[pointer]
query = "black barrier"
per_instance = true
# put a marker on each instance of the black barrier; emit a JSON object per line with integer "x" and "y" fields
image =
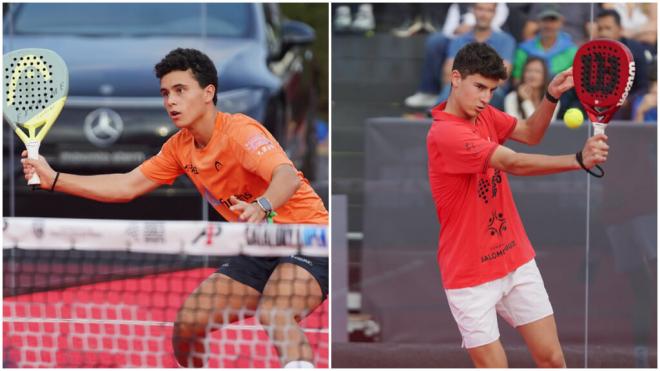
{"x": 401, "y": 284}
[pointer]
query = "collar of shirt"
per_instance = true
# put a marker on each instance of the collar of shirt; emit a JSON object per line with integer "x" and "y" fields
{"x": 439, "y": 114}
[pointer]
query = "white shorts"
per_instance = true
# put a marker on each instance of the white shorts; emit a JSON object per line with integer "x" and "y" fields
{"x": 519, "y": 297}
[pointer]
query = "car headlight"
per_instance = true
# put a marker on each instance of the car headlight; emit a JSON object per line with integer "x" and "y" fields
{"x": 239, "y": 100}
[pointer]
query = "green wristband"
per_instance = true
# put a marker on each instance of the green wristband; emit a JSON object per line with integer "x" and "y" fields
{"x": 270, "y": 216}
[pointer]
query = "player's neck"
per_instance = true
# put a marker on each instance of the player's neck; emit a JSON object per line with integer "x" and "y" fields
{"x": 454, "y": 109}
{"x": 202, "y": 129}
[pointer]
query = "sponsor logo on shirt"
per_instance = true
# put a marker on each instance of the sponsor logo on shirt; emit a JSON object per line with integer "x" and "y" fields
{"x": 499, "y": 252}
{"x": 217, "y": 165}
{"x": 191, "y": 168}
{"x": 487, "y": 188}
{"x": 215, "y": 202}
{"x": 245, "y": 197}
{"x": 496, "y": 224}
{"x": 259, "y": 143}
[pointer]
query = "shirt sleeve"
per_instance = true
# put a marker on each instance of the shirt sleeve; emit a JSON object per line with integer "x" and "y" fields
{"x": 504, "y": 124}
{"x": 460, "y": 150}
{"x": 257, "y": 150}
{"x": 163, "y": 168}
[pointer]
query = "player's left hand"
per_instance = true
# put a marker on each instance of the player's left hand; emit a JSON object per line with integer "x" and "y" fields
{"x": 248, "y": 212}
{"x": 561, "y": 83}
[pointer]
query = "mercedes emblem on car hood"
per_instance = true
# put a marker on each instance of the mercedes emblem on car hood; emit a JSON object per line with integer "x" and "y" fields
{"x": 103, "y": 127}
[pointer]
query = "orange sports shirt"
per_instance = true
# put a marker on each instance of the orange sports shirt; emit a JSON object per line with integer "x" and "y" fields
{"x": 238, "y": 160}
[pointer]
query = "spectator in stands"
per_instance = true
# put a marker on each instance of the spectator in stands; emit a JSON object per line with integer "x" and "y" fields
{"x": 525, "y": 99}
{"x": 551, "y": 44}
{"x": 452, "y": 19}
{"x": 575, "y": 19}
{"x": 435, "y": 52}
{"x": 419, "y": 17}
{"x": 363, "y": 21}
{"x": 483, "y": 31}
{"x": 554, "y": 46}
{"x": 608, "y": 23}
{"x": 645, "y": 106}
{"x": 517, "y": 20}
{"x": 639, "y": 22}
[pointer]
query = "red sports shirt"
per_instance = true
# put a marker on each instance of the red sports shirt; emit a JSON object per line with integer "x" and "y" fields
{"x": 238, "y": 160}
{"x": 481, "y": 235}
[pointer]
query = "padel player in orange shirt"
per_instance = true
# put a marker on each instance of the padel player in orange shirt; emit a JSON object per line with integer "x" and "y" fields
{"x": 485, "y": 257}
{"x": 239, "y": 167}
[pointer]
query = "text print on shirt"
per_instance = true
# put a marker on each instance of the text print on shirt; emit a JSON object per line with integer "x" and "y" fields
{"x": 259, "y": 143}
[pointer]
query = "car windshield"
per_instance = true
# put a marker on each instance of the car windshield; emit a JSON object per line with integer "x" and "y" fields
{"x": 125, "y": 19}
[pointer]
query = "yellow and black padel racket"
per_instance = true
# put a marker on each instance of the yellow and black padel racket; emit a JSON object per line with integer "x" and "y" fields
{"x": 35, "y": 86}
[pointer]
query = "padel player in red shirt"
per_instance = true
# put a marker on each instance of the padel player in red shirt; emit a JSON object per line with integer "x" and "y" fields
{"x": 485, "y": 257}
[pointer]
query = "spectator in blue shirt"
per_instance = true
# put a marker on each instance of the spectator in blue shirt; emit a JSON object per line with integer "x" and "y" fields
{"x": 483, "y": 32}
{"x": 445, "y": 49}
{"x": 645, "y": 104}
{"x": 554, "y": 46}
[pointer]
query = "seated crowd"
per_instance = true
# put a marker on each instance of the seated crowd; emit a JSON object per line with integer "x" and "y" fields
{"x": 536, "y": 41}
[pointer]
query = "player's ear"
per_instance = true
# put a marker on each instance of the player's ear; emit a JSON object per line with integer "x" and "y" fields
{"x": 209, "y": 93}
{"x": 455, "y": 78}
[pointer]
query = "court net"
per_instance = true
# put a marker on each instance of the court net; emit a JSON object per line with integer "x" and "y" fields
{"x": 106, "y": 293}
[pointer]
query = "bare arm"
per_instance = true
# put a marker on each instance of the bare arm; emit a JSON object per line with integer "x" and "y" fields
{"x": 516, "y": 163}
{"x": 594, "y": 152}
{"x": 105, "y": 188}
{"x": 532, "y": 130}
{"x": 283, "y": 184}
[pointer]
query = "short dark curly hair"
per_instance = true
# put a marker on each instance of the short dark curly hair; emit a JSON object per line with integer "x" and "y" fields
{"x": 479, "y": 58}
{"x": 199, "y": 63}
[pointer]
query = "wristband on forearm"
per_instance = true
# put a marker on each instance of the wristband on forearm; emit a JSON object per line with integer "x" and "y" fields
{"x": 550, "y": 98}
{"x": 57, "y": 176}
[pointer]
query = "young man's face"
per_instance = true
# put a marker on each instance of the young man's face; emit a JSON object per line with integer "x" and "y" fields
{"x": 183, "y": 98}
{"x": 473, "y": 93}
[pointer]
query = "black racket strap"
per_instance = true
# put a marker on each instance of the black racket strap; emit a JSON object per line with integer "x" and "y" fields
{"x": 578, "y": 157}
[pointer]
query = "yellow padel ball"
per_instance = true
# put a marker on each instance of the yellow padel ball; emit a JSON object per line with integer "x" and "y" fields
{"x": 573, "y": 118}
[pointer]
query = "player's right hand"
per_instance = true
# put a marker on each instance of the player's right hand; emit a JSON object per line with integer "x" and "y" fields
{"x": 595, "y": 151}
{"x": 41, "y": 167}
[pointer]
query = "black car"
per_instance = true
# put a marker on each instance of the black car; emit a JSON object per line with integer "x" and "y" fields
{"x": 114, "y": 117}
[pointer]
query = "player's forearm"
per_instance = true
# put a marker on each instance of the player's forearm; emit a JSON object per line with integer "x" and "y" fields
{"x": 539, "y": 121}
{"x": 525, "y": 164}
{"x": 104, "y": 188}
{"x": 284, "y": 183}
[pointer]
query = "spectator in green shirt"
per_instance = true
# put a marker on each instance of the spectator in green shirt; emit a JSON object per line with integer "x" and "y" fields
{"x": 552, "y": 45}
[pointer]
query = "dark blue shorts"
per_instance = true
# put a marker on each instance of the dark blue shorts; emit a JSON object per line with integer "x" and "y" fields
{"x": 255, "y": 271}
